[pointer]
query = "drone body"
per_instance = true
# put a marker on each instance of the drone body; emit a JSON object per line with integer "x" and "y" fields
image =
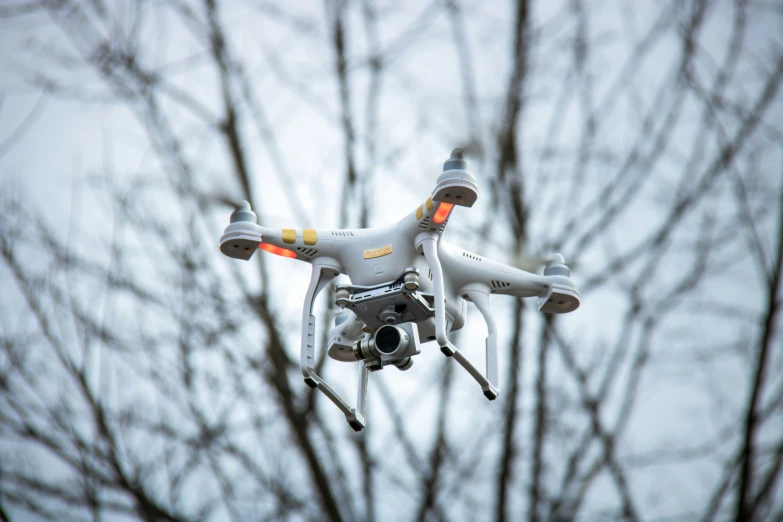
{"x": 408, "y": 286}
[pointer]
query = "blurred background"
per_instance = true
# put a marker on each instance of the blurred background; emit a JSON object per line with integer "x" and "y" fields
{"x": 144, "y": 376}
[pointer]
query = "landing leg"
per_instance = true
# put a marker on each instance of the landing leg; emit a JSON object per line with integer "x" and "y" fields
{"x": 430, "y": 249}
{"x": 321, "y": 276}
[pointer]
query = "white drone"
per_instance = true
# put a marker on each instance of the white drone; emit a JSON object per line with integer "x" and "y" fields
{"x": 392, "y": 307}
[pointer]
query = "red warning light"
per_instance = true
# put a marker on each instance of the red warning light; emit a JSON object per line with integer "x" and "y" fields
{"x": 444, "y": 209}
{"x": 273, "y": 249}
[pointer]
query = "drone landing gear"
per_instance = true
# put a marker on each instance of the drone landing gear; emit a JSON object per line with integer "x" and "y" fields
{"x": 481, "y": 300}
{"x": 490, "y": 391}
{"x": 322, "y": 275}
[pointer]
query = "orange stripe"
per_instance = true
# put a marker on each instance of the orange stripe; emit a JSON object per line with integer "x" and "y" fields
{"x": 444, "y": 209}
{"x": 273, "y": 249}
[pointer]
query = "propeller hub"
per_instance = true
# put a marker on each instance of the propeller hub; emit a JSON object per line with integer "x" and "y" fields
{"x": 456, "y": 161}
{"x": 243, "y": 212}
{"x": 557, "y": 266}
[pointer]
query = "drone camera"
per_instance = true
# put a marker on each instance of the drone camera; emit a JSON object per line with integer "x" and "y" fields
{"x": 390, "y": 344}
{"x": 389, "y": 339}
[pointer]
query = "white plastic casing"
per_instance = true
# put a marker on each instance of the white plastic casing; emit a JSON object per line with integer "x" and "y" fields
{"x": 240, "y": 240}
{"x": 457, "y": 187}
{"x": 343, "y": 336}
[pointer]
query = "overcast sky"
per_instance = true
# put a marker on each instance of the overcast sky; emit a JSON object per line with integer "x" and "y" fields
{"x": 50, "y": 145}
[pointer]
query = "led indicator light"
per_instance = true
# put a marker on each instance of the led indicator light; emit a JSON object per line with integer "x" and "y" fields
{"x": 444, "y": 209}
{"x": 272, "y": 249}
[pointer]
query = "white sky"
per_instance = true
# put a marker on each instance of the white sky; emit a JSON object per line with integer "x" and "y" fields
{"x": 421, "y": 120}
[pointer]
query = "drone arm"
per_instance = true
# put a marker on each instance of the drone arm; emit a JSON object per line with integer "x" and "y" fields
{"x": 324, "y": 270}
{"x": 557, "y": 293}
{"x": 555, "y": 289}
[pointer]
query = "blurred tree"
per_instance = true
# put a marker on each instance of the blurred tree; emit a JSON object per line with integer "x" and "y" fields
{"x": 144, "y": 377}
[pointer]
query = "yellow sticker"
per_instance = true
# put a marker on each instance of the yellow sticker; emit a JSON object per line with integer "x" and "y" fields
{"x": 419, "y": 212}
{"x": 429, "y": 203}
{"x": 378, "y": 252}
{"x": 309, "y": 236}
{"x": 289, "y": 236}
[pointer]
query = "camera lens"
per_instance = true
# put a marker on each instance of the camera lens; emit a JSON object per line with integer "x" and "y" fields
{"x": 387, "y": 339}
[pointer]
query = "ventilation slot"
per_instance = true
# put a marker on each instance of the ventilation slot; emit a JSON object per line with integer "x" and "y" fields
{"x": 307, "y": 252}
{"x": 343, "y": 233}
{"x": 429, "y": 274}
{"x": 471, "y": 256}
{"x": 500, "y": 284}
{"x": 425, "y": 223}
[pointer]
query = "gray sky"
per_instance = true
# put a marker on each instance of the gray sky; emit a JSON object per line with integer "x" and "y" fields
{"x": 422, "y": 117}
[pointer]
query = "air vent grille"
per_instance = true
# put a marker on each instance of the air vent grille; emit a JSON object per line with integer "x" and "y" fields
{"x": 307, "y": 252}
{"x": 471, "y": 256}
{"x": 343, "y": 233}
{"x": 500, "y": 284}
